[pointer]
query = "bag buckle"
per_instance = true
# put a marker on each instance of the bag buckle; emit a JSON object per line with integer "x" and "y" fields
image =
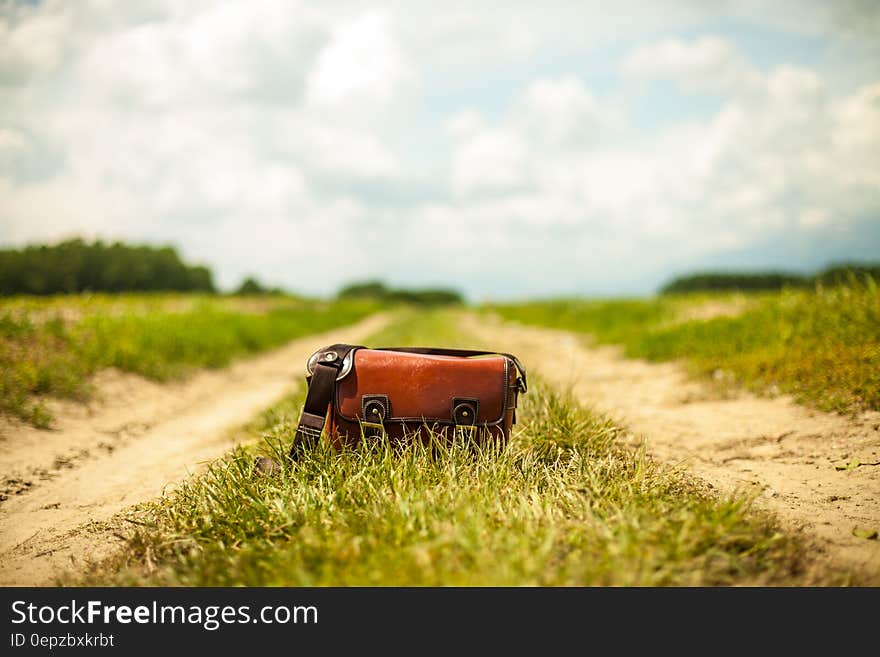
{"x": 375, "y": 409}
{"x": 331, "y": 358}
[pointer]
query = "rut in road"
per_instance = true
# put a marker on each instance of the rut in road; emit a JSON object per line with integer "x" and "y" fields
{"x": 792, "y": 457}
{"x": 62, "y": 486}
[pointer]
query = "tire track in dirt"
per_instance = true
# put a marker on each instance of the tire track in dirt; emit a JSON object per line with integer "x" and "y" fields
{"x": 792, "y": 457}
{"x": 62, "y": 486}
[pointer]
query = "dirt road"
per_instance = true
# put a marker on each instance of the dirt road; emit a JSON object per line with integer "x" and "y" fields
{"x": 794, "y": 458}
{"x": 60, "y": 486}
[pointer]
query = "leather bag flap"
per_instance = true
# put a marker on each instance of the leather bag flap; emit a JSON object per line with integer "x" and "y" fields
{"x": 425, "y": 388}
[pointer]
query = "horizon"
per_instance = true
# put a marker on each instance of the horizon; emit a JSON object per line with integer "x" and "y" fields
{"x": 505, "y": 152}
{"x": 807, "y": 277}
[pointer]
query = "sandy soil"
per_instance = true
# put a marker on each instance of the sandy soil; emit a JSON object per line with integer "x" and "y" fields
{"x": 713, "y": 308}
{"x": 793, "y": 458}
{"x": 60, "y": 488}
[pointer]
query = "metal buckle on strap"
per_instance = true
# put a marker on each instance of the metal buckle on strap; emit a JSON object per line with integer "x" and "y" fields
{"x": 330, "y": 358}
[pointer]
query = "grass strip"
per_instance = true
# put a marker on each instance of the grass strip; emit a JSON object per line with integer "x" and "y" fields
{"x": 822, "y": 346}
{"x": 55, "y": 356}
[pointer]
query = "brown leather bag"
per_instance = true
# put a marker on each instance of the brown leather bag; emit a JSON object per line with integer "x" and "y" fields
{"x": 396, "y": 393}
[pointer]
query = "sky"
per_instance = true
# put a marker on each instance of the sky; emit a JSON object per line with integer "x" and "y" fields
{"x": 508, "y": 149}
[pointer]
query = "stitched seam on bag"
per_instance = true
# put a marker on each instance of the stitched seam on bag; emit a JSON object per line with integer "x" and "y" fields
{"x": 424, "y": 423}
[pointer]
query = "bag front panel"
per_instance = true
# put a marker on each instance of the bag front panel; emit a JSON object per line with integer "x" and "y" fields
{"x": 422, "y": 388}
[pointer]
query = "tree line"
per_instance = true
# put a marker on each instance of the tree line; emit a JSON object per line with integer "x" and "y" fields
{"x": 770, "y": 280}
{"x": 77, "y": 266}
{"x": 381, "y": 292}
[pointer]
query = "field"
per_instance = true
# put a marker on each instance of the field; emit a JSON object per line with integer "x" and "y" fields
{"x": 822, "y": 346}
{"x": 578, "y": 497}
{"x": 566, "y": 504}
{"x": 50, "y": 347}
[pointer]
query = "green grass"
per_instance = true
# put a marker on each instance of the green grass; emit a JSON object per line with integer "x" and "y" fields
{"x": 51, "y": 348}
{"x": 821, "y": 346}
{"x": 563, "y": 504}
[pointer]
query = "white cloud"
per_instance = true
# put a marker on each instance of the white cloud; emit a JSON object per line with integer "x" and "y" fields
{"x": 465, "y": 124}
{"x": 30, "y": 48}
{"x": 11, "y": 141}
{"x": 337, "y": 150}
{"x": 233, "y": 48}
{"x": 361, "y": 70}
{"x": 563, "y": 113}
{"x": 557, "y": 114}
{"x": 493, "y": 160}
{"x": 813, "y": 218}
{"x": 707, "y": 63}
{"x": 779, "y": 156}
{"x": 856, "y": 133}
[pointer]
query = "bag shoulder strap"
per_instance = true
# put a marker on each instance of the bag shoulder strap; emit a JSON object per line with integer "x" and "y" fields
{"x": 322, "y": 384}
